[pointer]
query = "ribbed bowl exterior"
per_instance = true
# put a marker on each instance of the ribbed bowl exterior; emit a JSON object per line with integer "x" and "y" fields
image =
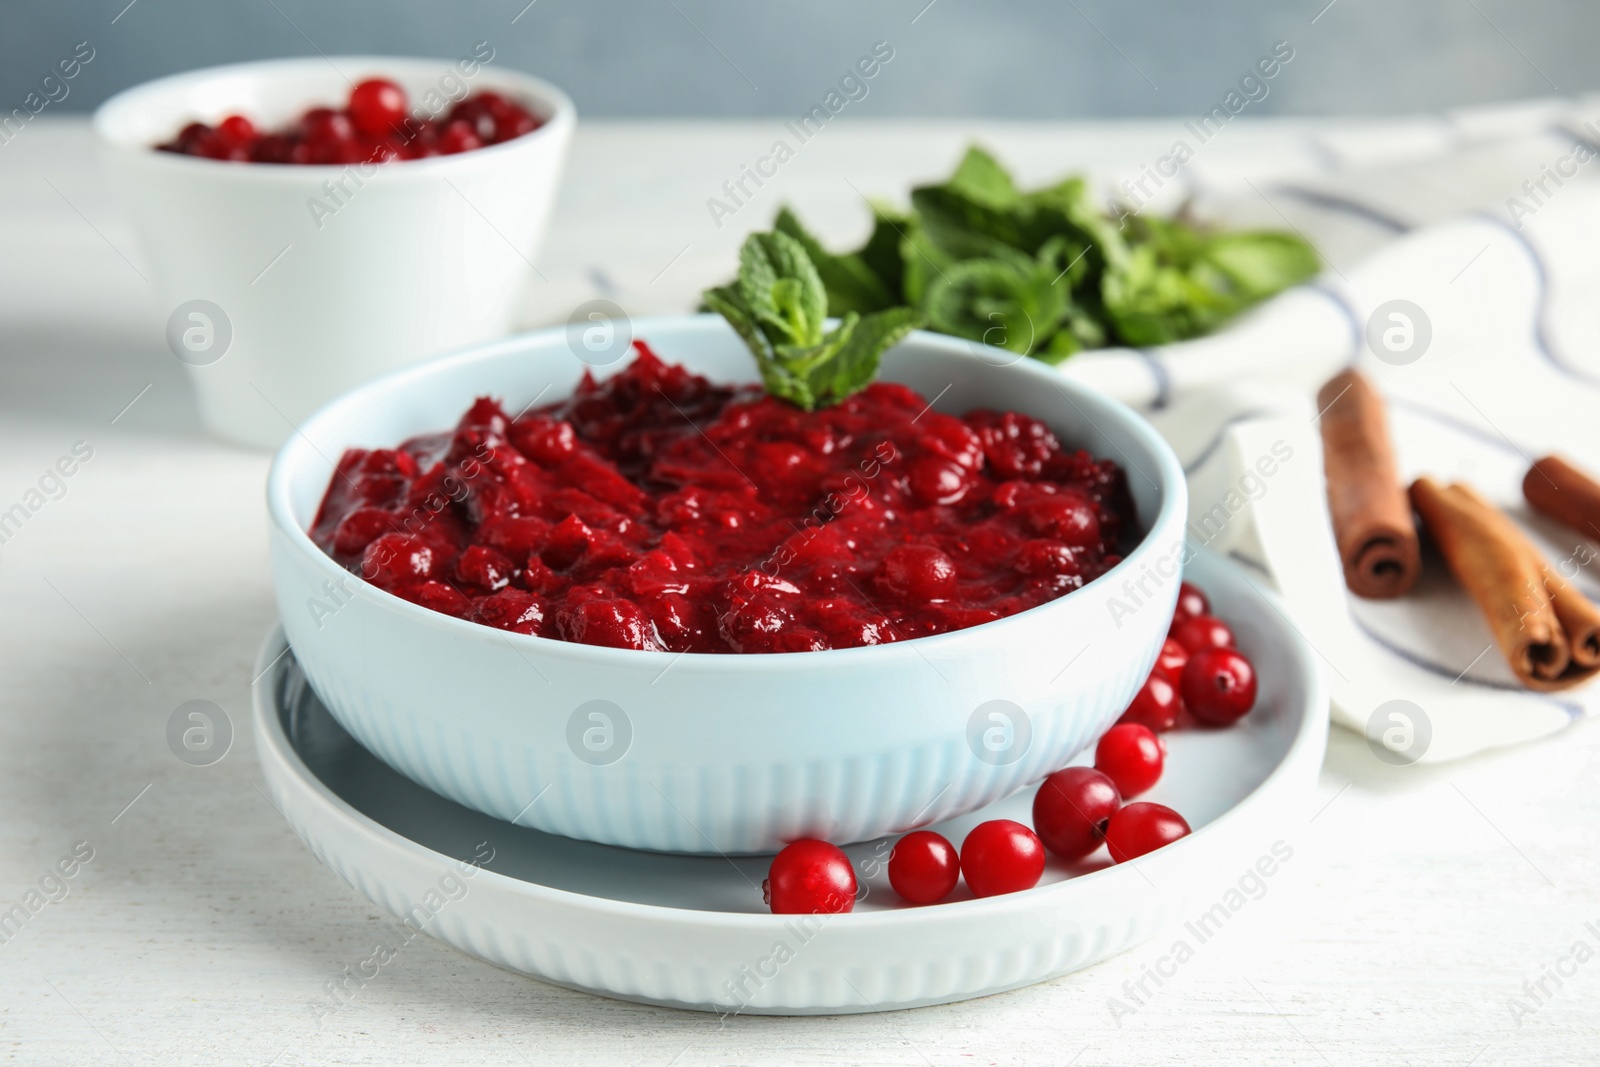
{"x": 706, "y": 753}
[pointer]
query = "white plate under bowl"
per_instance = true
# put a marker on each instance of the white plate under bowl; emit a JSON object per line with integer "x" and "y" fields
{"x": 691, "y": 931}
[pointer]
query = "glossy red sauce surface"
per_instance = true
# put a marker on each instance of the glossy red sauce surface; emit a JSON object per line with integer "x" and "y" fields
{"x": 656, "y": 510}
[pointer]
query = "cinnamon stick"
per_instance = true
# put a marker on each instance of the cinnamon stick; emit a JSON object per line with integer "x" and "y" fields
{"x": 1578, "y": 616}
{"x": 1565, "y": 493}
{"x": 1372, "y": 521}
{"x": 1535, "y": 616}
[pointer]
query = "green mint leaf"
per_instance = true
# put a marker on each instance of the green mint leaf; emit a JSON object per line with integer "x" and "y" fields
{"x": 808, "y": 299}
{"x": 981, "y": 178}
{"x": 1260, "y": 264}
{"x": 788, "y": 300}
{"x": 851, "y": 285}
{"x": 1180, "y": 282}
{"x": 1067, "y": 260}
{"x": 781, "y": 287}
{"x": 1153, "y": 303}
{"x": 861, "y": 350}
{"x": 922, "y": 261}
{"x": 1086, "y": 325}
{"x": 729, "y": 303}
{"x": 1062, "y": 345}
{"x": 1065, "y": 209}
{"x": 965, "y": 227}
{"x": 1001, "y": 302}
{"x": 779, "y": 309}
{"x": 881, "y": 253}
{"x": 757, "y": 276}
{"x": 977, "y": 210}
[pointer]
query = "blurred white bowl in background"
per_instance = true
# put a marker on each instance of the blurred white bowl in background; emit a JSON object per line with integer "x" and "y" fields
{"x": 286, "y": 285}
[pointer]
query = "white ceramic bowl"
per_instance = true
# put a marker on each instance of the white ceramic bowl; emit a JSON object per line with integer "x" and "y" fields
{"x": 322, "y": 277}
{"x": 726, "y": 753}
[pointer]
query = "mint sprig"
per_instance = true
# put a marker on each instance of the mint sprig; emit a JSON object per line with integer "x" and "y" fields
{"x": 779, "y": 306}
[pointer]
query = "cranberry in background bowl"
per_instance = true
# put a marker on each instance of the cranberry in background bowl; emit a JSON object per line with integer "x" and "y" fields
{"x": 698, "y": 752}
{"x": 310, "y": 279}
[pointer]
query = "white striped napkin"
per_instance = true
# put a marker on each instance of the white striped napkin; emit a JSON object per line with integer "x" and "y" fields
{"x": 1510, "y": 372}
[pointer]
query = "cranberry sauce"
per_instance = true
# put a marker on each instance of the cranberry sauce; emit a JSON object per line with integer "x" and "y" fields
{"x": 655, "y": 510}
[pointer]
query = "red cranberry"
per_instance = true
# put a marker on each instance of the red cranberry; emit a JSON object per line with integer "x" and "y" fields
{"x": 1155, "y": 705}
{"x": 1219, "y": 686}
{"x": 1143, "y": 827}
{"x": 1016, "y": 445}
{"x": 482, "y": 566}
{"x": 567, "y": 543}
{"x": 497, "y": 105}
{"x": 917, "y": 572}
{"x": 810, "y": 877}
{"x": 273, "y": 148}
{"x": 1172, "y": 658}
{"x": 923, "y": 868}
{"x": 1202, "y": 632}
{"x": 377, "y": 106}
{"x": 545, "y": 441}
{"x": 476, "y": 113}
{"x": 511, "y": 609}
{"x": 1130, "y": 755}
{"x": 398, "y": 559}
{"x": 236, "y": 130}
{"x": 380, "y": 152}
{"x": 610, "y": 621}
{"x": 517, "y": 124}
{"x": 325, "y": 126}
{"x": 1191, "y": 602}
{"x": 189, "y": 135}
{"x": 538, "y": 576}
{"x": 952, "y": 439}
{"x": 1046, "y": 557}
{"x": 389, "y": 461}
{"x": 443, "y": 598}
{"x": 212, "y": 145}
{"x": 936, "y": 480}
{"x": 1067, "y": 517}
{"x": 351, "y": 151}
{"x": 381, "y": 490}
{"x": 1071, "y": 811}
{"x": 459, "y": 136}
{"x": 1001, "y": 856}
{"x": 360, "y": 528}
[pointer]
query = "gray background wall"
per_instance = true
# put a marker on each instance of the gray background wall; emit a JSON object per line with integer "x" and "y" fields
{"x": 1019, "y": 59}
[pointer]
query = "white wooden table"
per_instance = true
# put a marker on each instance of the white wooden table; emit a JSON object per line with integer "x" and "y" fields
{"x": 1416, "y": 905}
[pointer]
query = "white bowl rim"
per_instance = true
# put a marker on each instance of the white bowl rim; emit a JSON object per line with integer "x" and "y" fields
{"x": 562, "y": 114}
{"x": 1308, "y": 743}
{"x": 298, "y": 450}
